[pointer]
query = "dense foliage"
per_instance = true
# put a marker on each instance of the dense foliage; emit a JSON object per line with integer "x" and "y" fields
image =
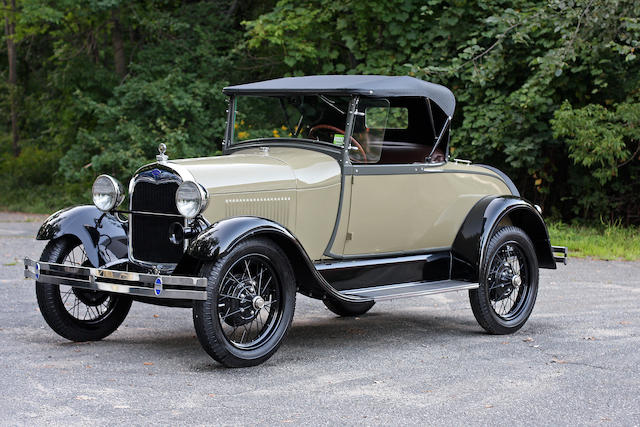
{"x": 547, "y": 91}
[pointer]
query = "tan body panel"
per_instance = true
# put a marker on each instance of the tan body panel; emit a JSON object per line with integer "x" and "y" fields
{"x": 300, "y": 189}
{"x": 297, "y": 188}
{"x": 417, "y": 211}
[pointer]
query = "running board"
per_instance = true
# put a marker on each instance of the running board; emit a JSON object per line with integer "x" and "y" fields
{"x": 412, "y": 289}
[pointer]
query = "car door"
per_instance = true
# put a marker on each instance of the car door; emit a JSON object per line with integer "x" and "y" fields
{"x": 412, "y": 208}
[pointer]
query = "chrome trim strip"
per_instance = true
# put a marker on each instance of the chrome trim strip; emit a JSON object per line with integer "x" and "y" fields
{"x": 149, "y": 213}
{"x": 408, "y": 170}
{"x": 336, "y": 265}
{"x": 142, "y": 284}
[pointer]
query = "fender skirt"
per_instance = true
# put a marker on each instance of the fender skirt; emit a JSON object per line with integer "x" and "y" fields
{"x": 103, "y": 236}
{"x": 221, "y": 237}
{"x": 470, "y": 244}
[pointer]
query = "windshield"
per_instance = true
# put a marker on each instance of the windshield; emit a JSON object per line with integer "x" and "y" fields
{"x": 317, "y": 118}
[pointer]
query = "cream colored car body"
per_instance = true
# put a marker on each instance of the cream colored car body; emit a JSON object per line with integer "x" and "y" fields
{"x": 300, "y": 189}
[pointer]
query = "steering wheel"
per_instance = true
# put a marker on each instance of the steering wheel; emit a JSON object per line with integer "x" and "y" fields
{"x": 337, "y": 130}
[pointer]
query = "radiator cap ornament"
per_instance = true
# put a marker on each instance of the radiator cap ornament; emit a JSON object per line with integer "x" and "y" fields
{"x": 162, "y": 148}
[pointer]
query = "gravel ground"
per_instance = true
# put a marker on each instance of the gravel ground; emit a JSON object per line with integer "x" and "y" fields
{"x": 407, "y": 362}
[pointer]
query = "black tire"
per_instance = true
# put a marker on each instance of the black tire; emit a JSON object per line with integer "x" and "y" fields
{"x": 232, "y": 309}
{"x": 348, "y": 309}
{"x": 503, "y": 303}
{"x": 106, "y": 311}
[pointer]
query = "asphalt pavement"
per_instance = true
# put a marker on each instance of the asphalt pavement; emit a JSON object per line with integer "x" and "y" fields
{"x": 407, "y": 362}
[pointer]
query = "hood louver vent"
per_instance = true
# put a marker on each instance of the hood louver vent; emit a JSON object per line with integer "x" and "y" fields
{"x": 273, "y": 208}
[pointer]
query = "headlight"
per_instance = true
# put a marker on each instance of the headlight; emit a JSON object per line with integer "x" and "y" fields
{"x": 191, "y": 199}
{"x": 107, "y": 193}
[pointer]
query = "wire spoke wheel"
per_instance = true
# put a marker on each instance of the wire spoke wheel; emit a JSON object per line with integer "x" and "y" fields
{"x": 508, "y": 284}
{"x": 82, "y": 304}
{"x": 508, "y": 281}
{"x": 249, "y": 301}
{"x": 74, "y": 313}
{"x": 251, "y": 298}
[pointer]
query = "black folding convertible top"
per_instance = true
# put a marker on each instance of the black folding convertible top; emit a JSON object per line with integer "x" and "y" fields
{"x": 367, "y": 85}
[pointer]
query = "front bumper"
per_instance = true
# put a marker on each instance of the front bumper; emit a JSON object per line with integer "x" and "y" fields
{"x": 121, "y": 282}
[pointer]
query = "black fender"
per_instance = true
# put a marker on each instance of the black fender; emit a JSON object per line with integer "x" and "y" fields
{"x": 471, "y": 242}
{"x": 103, "y": 236}
{"x": 221, "y": 237}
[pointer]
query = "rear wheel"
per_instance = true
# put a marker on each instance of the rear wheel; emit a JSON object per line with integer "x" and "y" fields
{"x": 249, "y": 306}
{"x": 73, "y": 313}
{"x": 348, "y": 309}
{"x": 508, "y": 283}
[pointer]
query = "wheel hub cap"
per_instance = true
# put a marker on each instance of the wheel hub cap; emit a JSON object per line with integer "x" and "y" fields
{"x": 258, "y": 302}
{"x": 516, "y": 281}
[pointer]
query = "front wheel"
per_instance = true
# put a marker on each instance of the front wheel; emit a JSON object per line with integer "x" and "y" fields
{"x": 73, "y": 313}
{"x": 250, "y": 303}
{"x": 508, "y": 282}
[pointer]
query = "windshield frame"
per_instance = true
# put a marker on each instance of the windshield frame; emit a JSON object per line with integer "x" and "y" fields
{"x": 340, "y": 152}
{"x": 230, "y": 144}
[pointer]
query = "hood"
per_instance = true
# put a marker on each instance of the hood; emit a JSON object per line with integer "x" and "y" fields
{"x": 251, "y": 170}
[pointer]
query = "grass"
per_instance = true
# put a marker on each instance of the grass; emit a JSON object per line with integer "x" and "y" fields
{"x": 44, "y": 199}
{"x": 603, "y": 241}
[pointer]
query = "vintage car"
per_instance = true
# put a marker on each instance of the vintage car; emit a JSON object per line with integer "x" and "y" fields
{"x": 340, "y": 188}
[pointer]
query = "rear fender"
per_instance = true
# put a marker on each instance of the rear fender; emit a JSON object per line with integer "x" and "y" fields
{"x": 103, "y": 236}
{"x": 485, "y": 217}
{"x": 221, "y": 237}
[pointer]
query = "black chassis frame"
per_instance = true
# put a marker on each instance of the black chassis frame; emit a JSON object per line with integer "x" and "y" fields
{"x": 105, "y": 235}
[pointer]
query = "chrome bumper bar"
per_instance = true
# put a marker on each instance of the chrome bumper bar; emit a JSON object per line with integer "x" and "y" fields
{"x": 121, "y": 282}
{"x": 560, "y": 254}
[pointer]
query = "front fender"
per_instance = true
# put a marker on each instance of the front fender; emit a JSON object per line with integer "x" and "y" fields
{"x": 221, "y": 237}
{"x": 103, "y": 236}
{"x": 471, "y": 242}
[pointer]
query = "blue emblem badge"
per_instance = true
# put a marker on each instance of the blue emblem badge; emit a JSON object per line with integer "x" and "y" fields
{"x": 156, "y": 173}
{"x": 157, "y": 287}
{"x": 37, "y": 270}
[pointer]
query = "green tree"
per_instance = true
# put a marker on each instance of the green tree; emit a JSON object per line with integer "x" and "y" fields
{"x": 511, "y": 68}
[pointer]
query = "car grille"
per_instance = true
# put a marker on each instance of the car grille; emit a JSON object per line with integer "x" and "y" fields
{"x": 150, "y": 233}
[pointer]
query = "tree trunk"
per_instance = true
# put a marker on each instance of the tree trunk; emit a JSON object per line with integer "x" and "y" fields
{"x": 10, "y": 30}
{"x": 232, "y": 8}
{"x": 119, "y": 58}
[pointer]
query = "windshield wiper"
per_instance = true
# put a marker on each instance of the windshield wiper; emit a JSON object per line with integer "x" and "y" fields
{"x": 331, "y": 104}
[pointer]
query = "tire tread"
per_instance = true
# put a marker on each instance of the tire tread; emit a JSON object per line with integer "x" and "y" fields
{"x": 216, "y": 346}
{"x": 57, "y": 318}
{"x": 480, "y": 304}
